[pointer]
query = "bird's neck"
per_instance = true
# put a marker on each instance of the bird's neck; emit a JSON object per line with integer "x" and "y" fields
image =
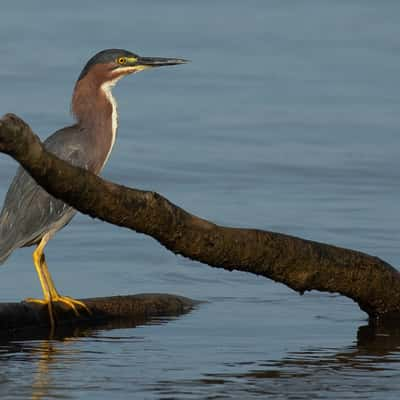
{"x": 95, "y": 111}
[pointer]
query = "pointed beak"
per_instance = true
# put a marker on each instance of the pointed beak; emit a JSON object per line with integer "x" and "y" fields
{"x": 159, "y": 61}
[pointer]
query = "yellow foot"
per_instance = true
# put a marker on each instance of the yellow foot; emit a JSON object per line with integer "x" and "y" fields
{"x": 72, "y": 303}
{"x": 68, "y": 301}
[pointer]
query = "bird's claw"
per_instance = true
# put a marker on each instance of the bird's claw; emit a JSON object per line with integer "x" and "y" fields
{"x": 72, "y": 303}
{"x": 68, "y": 301}
{"x": 38, "y": 301}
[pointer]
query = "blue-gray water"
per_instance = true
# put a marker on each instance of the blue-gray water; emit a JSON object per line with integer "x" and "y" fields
{"x": 287, "y": 119}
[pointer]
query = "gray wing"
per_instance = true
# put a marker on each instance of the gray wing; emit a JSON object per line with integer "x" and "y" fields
{"x": 29, "y": 211}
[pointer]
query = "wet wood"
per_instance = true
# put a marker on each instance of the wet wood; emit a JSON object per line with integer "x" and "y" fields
{"x": 300, "y": 264}
{"x": 24, "y": 319}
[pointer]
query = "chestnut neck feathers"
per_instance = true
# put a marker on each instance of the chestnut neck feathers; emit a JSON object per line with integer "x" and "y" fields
{"x": 95, "y": 111}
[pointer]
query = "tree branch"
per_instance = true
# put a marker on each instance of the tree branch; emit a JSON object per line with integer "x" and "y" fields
{"x": 31, "y": 320}
{"x": 300, "y": 264}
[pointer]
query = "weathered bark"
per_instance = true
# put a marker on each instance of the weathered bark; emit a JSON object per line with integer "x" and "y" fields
{"x": 32, "y": 319}
{"x": 300, "y": 264}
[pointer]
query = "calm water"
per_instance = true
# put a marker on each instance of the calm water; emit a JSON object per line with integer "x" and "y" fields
{"x": 287, "y": 119}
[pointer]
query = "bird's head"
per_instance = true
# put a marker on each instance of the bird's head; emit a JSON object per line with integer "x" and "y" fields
{"x": 112, "y": 64}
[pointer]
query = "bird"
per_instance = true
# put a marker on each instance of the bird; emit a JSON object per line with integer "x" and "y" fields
{"x": 30, "y": 216}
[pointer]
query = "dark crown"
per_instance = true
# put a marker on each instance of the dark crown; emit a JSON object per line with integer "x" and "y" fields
{"x": 105, "y": 57}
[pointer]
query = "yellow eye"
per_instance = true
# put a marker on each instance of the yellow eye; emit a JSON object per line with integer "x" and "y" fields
{"x": 121, "y": 60}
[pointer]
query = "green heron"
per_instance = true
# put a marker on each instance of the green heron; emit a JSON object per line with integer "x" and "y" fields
{"x": 30, "y": 216}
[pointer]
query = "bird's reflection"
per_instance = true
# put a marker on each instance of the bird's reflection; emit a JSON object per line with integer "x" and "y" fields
{"x": 46, "y": 352}
{"x": 49, "y": 351}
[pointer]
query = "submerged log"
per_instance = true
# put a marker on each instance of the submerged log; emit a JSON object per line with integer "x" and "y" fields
{"x": 31, "y": 320}
{"x": 300, "y": 264}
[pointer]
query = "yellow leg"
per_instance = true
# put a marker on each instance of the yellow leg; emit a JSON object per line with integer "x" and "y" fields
{"x": 49, "y": 290}
{"x": 38, "y": 257}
